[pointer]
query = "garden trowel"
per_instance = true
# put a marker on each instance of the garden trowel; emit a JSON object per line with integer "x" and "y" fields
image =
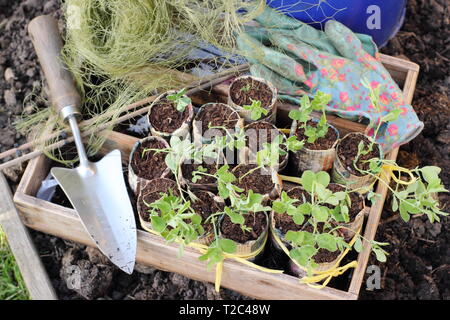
{"x": 97, "y": 191}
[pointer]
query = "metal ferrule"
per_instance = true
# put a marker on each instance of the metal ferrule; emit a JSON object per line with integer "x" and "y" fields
{"x": 68, "y": 111}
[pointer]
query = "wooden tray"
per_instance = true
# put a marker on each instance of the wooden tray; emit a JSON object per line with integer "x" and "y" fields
{"x": 152, "y": 250}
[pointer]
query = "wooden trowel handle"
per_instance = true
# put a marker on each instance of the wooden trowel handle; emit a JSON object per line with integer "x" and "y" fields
{"x": 47, "y": 42}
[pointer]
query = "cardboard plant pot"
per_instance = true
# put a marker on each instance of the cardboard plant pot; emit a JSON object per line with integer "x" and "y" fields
{"x": 308, "y": 158}
{"x": 245, "y": 88}
{"x": 293, "y": 267}
{"x": 166, "y": 121}
{"x": 343, "y": 170}
{"x": 322, "y": 266}
{"x": 149, "y": 192}
{"x": 356, "y": 211}
{"x": 280, "y": 224}
{"x": 257, "y": 133}
{"x": 246, "y": 242}
{"x": 218, "y": 115}
{"x": 207, "y": 183}
{"x": 269, "y": 183}
{"x": 138, "y": 175}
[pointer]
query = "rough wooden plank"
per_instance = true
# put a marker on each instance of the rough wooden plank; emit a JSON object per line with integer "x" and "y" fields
{"x": 410, "y": 85}
{"x": 36, "y": 171}
{"x": 21, "y": 244}
{"x": 117, "y": 140}
{"x": 153, "y": 250}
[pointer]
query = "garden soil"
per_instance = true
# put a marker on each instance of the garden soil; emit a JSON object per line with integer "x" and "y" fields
{"x": 243, "y": 91}
{"x": 418, "y": 265}
{"x": 166, "y": 118}
{"x": 323, "y": 143}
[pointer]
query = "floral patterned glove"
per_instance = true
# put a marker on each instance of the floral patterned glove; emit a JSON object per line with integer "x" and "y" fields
{"x": 296, "y": 68}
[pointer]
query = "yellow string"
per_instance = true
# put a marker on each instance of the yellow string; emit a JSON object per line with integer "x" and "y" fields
{"x": 390, "y": 168}
{"x": 326, "y": 275}
{"x": 242, "y": 258}
{"x": 285, "y": 130}
{"x": 291, "y": 179}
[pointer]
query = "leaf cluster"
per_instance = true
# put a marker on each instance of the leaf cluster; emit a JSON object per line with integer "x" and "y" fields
{"x": 325, "y": 212}
{"x": 256, "y": 110}
{"x": 304, "y": 114}
{"x": 180, "y": 100}
{"x": 174, "y": 219}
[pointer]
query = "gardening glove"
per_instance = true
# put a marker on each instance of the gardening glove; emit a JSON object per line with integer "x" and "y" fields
{"x": 297, "y": 68}
{"x": 271, "y": 20}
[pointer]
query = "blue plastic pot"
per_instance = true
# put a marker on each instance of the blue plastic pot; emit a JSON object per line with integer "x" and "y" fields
{"x": 379, "y": 18}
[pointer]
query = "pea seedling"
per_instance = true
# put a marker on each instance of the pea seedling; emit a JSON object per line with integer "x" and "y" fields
{"x": 246, "y": 88}
{"x": 303, "y": 116}
{"x": 180, "y": 100}
{"x": 323, "y": 220}
{"x": 175, "y": 220}
{"x": 414, "y": 197}
{"x": 256, "y": 110}
{"x": 240, "y": 206}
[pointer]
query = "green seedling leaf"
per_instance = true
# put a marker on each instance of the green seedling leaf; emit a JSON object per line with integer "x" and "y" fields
{"x": 256, "y": 110}
{"x": 295, "y": 115}
{"x": 431, "y": 174}
{"x": 196, "y": 219}
{"x": 323, "y": 193}
{"x": 320, "y": 214}
{"x": 320, "y": 101}
{"x": 295, "y": 237}
{"x": 341, "y": 195}
{"x": 294, "y": 145}
{"x": 332, "y": 200}
{"x": 279, "y": 207}
{"x": 227, "y": 245}
{"x": 404, "y": 212}
{"x": 235, "y": 217}
{"x": 345, "y": 213}
{"x": 246, "y": 88}
{"x": 224, "y": 192}
{"x": 303, "y": 254}
{"x": 299, "y": 219}
{"x": 171, "y": 162}
{"x": 164, "y": 206}
{"x": 392, "y": 115}
{"x": 305, "y": 208}
{"x": 225, "y": 175}
{"x": 326, "y": 241}
{"x": 380, "y": 254}
{"x": 358, "y": 245}
{"x": 305, "y": 102}
{"x": 180, "y": 100}
{"x": 311, "y": 133}
{"x": 307, "y": 180}
{"x": 323, "y": 178}
{"x": 158, "y": 224}
{"x": 253, "y": 198}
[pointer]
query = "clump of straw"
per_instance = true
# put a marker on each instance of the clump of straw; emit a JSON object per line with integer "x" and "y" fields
{"x": 122, "y": 51}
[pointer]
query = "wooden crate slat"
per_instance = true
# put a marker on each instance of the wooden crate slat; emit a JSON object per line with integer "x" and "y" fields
{"x": 153, "y": 250}
{"x": 33, "y": 272}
